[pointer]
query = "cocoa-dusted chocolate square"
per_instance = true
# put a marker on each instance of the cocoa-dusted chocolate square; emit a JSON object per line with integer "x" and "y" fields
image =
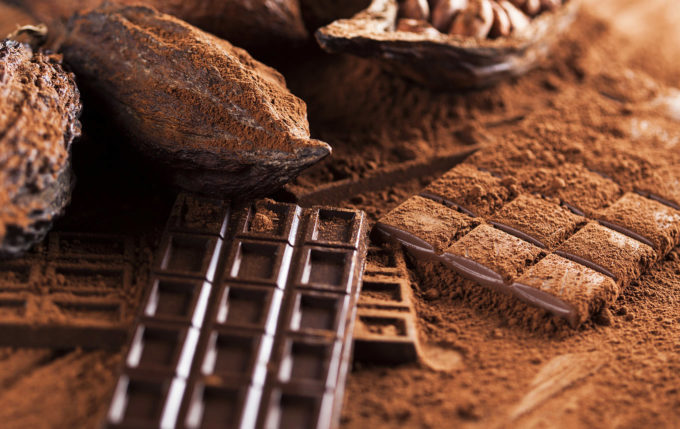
{"x": 663, "y": 185}
{"x": 573, "y": 185}
{"x": 646, "y": 220}
{"x": 496, "y": 250}
{"x": 566, "y": 288}
{"x": 608, "y": 252}
{"x": 471, "y": 189}
{"x": 433, "y": 224}
{"x": 537, "y": 221}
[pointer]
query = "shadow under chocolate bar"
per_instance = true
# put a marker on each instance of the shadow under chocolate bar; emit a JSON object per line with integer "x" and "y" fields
{"x": 248, "y": 319}
{"x": 546, "y": 253}
{"x": 74, "y": 294}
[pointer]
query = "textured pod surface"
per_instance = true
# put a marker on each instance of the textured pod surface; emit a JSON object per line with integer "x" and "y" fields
{"x": 39, "y": 108}
{"x": 250, "y": 24}
{"x": 210, "y": 116}
{"x": 442, "y": 60}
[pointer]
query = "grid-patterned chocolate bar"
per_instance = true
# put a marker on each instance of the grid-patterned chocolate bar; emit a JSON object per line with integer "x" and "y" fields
{"x": 385, "y": 330}
{"x": 74, "y": 292}
{"x": 570, "y": 250}
{"x": 248, "y": 321}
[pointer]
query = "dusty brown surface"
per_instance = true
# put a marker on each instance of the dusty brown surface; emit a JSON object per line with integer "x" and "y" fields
{"x": 598, "y": 91}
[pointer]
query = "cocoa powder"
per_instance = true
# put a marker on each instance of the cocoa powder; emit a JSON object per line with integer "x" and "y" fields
{"x": 506, "y": 372}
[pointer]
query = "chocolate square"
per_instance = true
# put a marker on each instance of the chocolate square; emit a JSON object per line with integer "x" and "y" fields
{"x": 471, "y": 189}
{"x": 189, "y": 255}
{"x": 495, "y": 250}
{"x": 608, "y": 252}
{"x": 334, "y": 227}
{"x": 427, "y": 223}
{"x": 567, "y": 288}
{"x": 537, "y": 221}
{"x": 645, "y": 220}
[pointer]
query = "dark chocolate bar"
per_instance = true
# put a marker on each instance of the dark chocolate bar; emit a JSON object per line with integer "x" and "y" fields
{"x": 570, "y": 251}
{"x": 78, "y": 292}
{"x": 385, "y": 330}
{"x": 248, "y": 320}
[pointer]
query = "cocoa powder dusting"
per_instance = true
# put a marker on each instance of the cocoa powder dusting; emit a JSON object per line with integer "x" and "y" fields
{"x": 598, "y": 119}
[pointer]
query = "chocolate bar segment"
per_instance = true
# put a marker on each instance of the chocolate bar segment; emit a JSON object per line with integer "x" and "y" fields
{"x": 584, "y": 191}
{"x": 663, "y": 186}
{"x": 610, "y": 252}
{"x": 470, "y": 188}
{"x": 570, "y": 252}
{"x": 77, "y": 291}
{"x": 537, "y": 221}
{"x": 645, "y": 220}
{"x": 385, "y": 332}
{"x": 248, "y": 324}
{"x": 566, "y": 288}
{"x": 488, "y": 248}
{"x": 435, "y": 228}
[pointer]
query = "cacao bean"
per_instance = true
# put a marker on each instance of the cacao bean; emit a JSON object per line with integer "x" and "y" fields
{"x": 518, "y": 20}
{"x": 444, "y": 13}
{"x": 475, "y": 21}
{"x": 39, "y": 109}
{"x": 416, "y": 26}
{"x": 205, "y": 113}
{"x": 548, "y": 5}
{"x": 414, "y": 9}
{"x": 501, "y": 23}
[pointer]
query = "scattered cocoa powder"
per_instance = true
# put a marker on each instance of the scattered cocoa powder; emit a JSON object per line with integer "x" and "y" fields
{"x": 623, "y": 372}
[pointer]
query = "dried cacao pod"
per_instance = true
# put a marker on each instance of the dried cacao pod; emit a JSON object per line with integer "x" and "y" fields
{"x": 39, "y": 109}
{"x": 443, "y": 60}
{"x": 251, "y": 24}
{"x": 209, "y": 116}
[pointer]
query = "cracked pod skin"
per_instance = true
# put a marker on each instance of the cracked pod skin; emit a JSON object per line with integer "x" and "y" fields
{"x": 208, "y": 117}
{"x": 39, "y": 109}
{"x": 440, "y": 60}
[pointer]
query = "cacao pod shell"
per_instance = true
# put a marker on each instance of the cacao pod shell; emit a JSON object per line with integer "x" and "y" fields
{"x": 441, "y": 60}
{"x": 39, "y": 109}
{"x": 209, "y": 116}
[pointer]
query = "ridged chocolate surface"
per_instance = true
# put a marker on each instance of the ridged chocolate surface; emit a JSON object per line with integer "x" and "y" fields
{"x": 248, "y": 320}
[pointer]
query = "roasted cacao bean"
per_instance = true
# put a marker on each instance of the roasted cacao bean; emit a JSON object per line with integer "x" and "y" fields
{"x": 415, "y": 9}
{"x": 475, "y": 21}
